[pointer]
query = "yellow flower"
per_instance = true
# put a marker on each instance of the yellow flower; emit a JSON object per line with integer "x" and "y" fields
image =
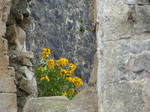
{"x": 61, "y": 62}
{"x": 69, "y": 73}
{"x": 50, "y": 63}
{"x": 47, "y": 50}
{"x": 64, "y": 93}
{"x": 72, "y": 67}
{"x": 47, "y": 78}
{"x": 77, "y": 82}
{"x": 50, "y": 66}
{"x": 40, "y": 68}
{"x": 44, "y": 77}
{"x": 63, "y": 72}
{"x": 71, "y": 91}
{"x": 45, "y": 53}
{"x": 69, "y": 79}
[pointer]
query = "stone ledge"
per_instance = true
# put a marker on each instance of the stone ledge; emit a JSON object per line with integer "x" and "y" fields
{"x": 8, "y": 102}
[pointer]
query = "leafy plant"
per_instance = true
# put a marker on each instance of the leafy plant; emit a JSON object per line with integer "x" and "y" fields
{"x": 82, "y": 29}
{"x": 55, "y": 77}
{"x": 81, "y": 20}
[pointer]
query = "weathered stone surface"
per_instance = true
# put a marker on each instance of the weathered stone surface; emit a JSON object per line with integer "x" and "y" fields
{"x": 8, "y": 98}
{"x": 27, "y": 54}
{"x": 29, "y": 74}
{"x": 23, "y": 7}
{"x": 16, "y": 36}
{"x": 140, "y": 2}
{"x": 47, "y": 104}
{"x": 141, "y": 63}
{"x": 8, "y": 102}
{"x": 123, "y": 53}
{"x": 86, "y": 101}
{"x": 56, "y": 25}
{"x": 7, "y": 81}
{"x": 24, "y": 61}
{"x": 27, "y": 86}
{"x": 146, "y": 92}
{"x": 4, "y": 59}
{"x": 142, "y": 18}
{"x": 19, "y": 57}
{"x": 5, "y": 10}
{"x": 124, "y": 96}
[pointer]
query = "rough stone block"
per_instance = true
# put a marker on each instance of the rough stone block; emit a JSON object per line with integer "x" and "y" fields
{"x": 142, "y": 19}
{"x": 3, "y": 44}
{"x": 146, "y": 92}
{"x": 122, "y": 96}
{"x": 29, "y": 74}
{"x": 7, "y": 81}
{"x": 47, "y": 104}
{"x": 86, "y": 101}
{"x": 136, "y": 1}
{"x": 4, "y": 60}
{"x": 16, "y": 36}
{"x": 5, "y": 10}
{"x": 24, "y": 61}
{"x": 8, "y": 102}
{"x": 27, "y": 54}
{"x": 141, "y": 63}
{"x": 27, "y": 86}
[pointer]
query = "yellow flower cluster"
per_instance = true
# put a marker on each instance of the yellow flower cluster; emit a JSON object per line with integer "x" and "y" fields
{"x": 72, "y": 67}
{"x": 50, "y": 63}
{"x": 76, "y": 80}
{"x": 63, "y": 72}
{"x": 40, "y": 68}
{"x": 68, "y": 72}
{"x": 45, "y": 53}
{"x": 44, "y": 77}
{"x": 69, "y": 79}
{"x": 61, "y": 62}
{"x": 64, "y": 93}
{"x": 57, "y": 76}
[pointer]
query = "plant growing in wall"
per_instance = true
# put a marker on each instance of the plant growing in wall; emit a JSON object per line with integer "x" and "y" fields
{"x": 82, "y": 28}
{"x": 55, "y": 77}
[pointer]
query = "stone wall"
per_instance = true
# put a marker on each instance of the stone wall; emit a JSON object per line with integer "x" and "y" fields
{"x": 64, "y": 27}
{"x": 8, "y": 97}
{"x": 123, "y": 41}
{"x": 19, "y": 58}
{"x": 121, "y": 62}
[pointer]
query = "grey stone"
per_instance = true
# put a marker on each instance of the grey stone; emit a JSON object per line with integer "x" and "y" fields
{"x": 47, "y": 104}
{"x": 24, "y": 61}
{"x": 23, "y": 7}
{"x": 121, "y": 95}
{"x": 86, "y": 101}
{"x": 123, "y": 56}
{"x": 8, "y": 102}
{"x": 29, "y": 74}
{"x": 27, "y": 86}
{"x": 141, "y": 63}
{"x": 140, "y": 2}
{"x": 142, "y": 19}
